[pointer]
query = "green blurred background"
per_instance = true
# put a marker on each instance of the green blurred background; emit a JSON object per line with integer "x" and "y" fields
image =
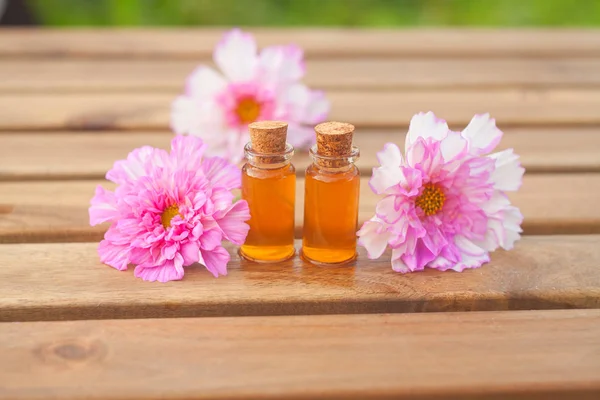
{"x": 373, "y": 13}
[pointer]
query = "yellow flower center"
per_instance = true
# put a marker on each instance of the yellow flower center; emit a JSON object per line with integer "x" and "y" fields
{"x": 169, "y": 213}
{"x": 431, "y": 200}
{"x": 247, "y": 110}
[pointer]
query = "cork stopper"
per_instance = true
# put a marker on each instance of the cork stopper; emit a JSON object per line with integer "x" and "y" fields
{"x": 334, "y": 139}
{"x": 268, "y": 137}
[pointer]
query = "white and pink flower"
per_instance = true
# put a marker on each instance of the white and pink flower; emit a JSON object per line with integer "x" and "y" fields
{"x": 445, "y": 203}
{"x": 218, "y": 107}
{"x": 169, "y": 211}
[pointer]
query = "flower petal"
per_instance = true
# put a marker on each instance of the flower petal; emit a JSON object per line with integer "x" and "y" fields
{"x": 417, "y": 153}
{"x": 298, "y": 104}
{"x": 300, "y": 136}
{"x": 374, "y": 237}
{"x": 187, "y": 151}
{"x": 222, "y": 173}
{"x": 318, "y": 108}
{"x": 434, "y": 240}
{"x": 103, "y": 207}
{"x": 215, "y": 260}
{"x": 496, "y": 203}
{"x": 117, "y": 256}
{"x": 136, "y": 165}
{"x": 397, "y": 263}
{"x": 204, "y": 84}
{"x": 211, "y": 239}
{"x": 469, "y": 262}
{"x": 222, "y": 200}
{"x": 202, "y": 118}
{"x": 386, "y": 210}
{"x": 495, "y": 209}
{"x": 453, "y": 146}
{"x": 512, "y": 227}
{"x": 391, "y": 174}
{"x": 236, "y": 56}
{"x": 425, "y": 125}
{"x": 232, "y": 222}
{"x": 419, "y": 258}
{"x": 466, "y": 246}
{"x": 508, "y": 174}
{"x": 390, "y": 156}
{"x": 411, "y": 181}
{"x": 384, "y": 178}
{"x": 493, "y": 236}
{"x": 169, "y": 251}
{"x": 281, "y": 64}
{"x": 190, "y": 252}
{"x": 482, "y": 134}
{"x": 124, "y": 230}
{"x": 441, "y": 263}
{"x": 170, "y": 270}
{"x": 471, "y": 255}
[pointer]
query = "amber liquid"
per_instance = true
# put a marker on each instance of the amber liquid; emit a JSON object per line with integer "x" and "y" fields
{"x": 271, "y": 194}
{"x": 330, "y": 215}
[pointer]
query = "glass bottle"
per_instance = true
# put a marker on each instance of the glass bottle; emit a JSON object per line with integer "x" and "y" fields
{"x": 269, "y": 187}
{"x": 331, "y": 197}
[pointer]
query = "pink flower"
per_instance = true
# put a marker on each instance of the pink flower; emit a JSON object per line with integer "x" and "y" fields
{"x": 266, "y": 86}
{"x": 170, "y": 210}
{"x": 445, "y": 205}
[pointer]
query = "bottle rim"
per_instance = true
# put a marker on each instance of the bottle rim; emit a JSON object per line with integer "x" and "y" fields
{"x": 287, "y": 153}
{"x": 352, "y": 157}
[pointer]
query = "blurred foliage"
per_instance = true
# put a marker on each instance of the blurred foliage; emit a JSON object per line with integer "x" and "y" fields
{"x": 379, "y": 13}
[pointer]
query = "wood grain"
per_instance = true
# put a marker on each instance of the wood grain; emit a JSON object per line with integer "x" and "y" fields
{"x": 150, "y": 111}
{"x": 57, "y": 211}
{"x": 58, "y": 86}
{"x": 69, "y": 75}
{"x": 197, "y": 43}
{"x": 67, "y": 281}
{"x": 77, "y": 155}
{"x": 465, "y": 355}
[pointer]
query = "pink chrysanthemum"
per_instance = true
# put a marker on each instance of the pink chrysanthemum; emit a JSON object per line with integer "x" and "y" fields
{"x": 253, "y": 87}
{"x": 445, "y": 205}
{"x": 170, "y": 210}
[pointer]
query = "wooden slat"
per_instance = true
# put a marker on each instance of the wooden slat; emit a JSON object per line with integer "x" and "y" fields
{"x": 57, "y": 211}
{"x": 54, "y": 211}
{"x": 78, "y": 155}
{"x": 68, "y": 75}
{"x": 106, "y": 111}
{"x": 438, "y": 356}
{"x": 67, "y": 281}
{"x": 317, "y": 43}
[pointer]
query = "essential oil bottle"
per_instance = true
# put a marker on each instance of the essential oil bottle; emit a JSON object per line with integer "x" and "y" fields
{"x": 269, "y": 187}
{"x": 331, "y": 196}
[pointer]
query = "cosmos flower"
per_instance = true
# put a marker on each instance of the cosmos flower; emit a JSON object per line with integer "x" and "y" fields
{"x": 170, "y": 210}
{"x": 251, "y": 87}
{"x": 445, "y": 205}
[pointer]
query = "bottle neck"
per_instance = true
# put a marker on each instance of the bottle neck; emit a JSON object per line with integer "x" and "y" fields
{"x": 269, "y": 161}
{"x": 334, "y": 164}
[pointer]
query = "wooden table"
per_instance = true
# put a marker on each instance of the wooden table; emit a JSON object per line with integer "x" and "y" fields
{"x": 525, "y": 326}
